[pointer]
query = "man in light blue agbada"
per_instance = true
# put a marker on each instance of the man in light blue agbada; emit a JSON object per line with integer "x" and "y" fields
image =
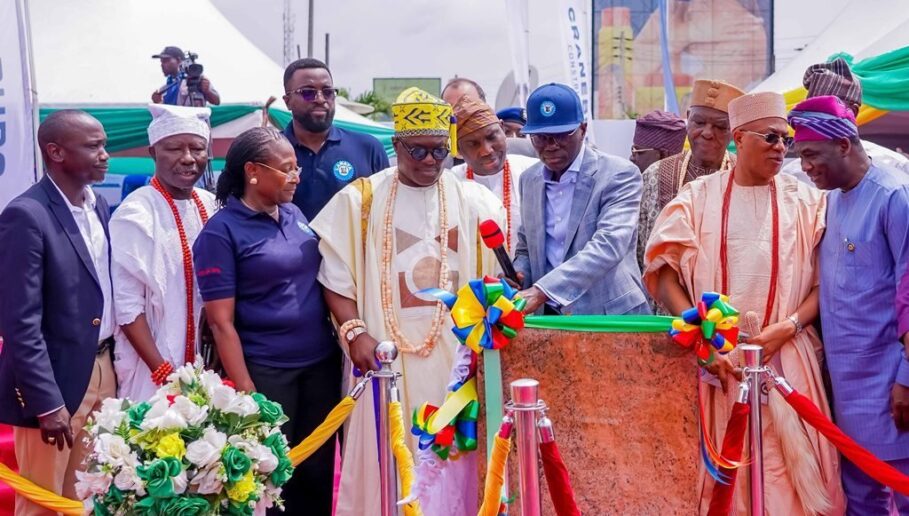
{"x": 862, "y": 257}
{"x": 576, "y": 243}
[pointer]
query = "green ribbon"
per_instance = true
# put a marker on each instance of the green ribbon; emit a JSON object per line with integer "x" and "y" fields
{"x": 601, "y": 323}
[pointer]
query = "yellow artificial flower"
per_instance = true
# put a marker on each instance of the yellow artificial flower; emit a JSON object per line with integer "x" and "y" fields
{"x": 171, "y": 445}
{"x": 239, "y": 492}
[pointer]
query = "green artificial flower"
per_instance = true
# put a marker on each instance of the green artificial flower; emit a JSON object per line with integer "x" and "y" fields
{"x": 277, "y": 443}
{"x": 186, "y": 505}
{"x": 269, "y": 411}
{"x": 136, "y": 414}
{"x": 100, "y": 507}
{"x": 239, "y": 509}
{"x": 158, "y": 477}
{"x": 283, "y": 472}
{"x": 236, "y": 463}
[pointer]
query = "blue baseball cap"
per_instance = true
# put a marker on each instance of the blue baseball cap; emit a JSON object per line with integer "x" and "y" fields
{"x": 553, "y": 108}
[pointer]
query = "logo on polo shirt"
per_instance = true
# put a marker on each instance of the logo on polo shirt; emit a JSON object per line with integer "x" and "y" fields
{"x": 343, "y": 170}
{"x": 306, "y": 229}
{"x": 547, "y": 108}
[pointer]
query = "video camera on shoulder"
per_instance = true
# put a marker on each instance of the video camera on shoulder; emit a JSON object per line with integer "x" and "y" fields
{"x": 192, "y": 70}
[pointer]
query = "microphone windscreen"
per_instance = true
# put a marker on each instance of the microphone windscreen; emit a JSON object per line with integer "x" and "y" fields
{"x": 752, "y": 324}
{"x": 492, "y": 235}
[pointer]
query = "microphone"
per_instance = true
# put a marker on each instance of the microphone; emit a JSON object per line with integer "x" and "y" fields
{"x": 752, "y": 324}
{"x": 493, "y": 239}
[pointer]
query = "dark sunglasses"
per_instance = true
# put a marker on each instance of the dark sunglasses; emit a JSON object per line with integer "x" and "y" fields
{"x": 773, "y": 138}
{"x": 310, "y": 94}
{"x": 557, "y": 138}
{"x": 419, "y": 153}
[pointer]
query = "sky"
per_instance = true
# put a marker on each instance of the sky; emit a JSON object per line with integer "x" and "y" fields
{"x": 432, "y": 38}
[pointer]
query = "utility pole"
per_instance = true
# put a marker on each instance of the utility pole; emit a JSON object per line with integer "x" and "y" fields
{"x": 327, "y": 46}
{"x": 288, "y": 33}
{"x": 310, "y": 32}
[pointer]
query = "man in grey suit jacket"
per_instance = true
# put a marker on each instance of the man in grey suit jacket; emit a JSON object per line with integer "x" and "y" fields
{"x": 576, "y": 243}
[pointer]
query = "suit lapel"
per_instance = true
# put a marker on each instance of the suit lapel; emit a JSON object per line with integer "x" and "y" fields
{"x": 579, "y": 201}
{"x": 65, "y": 217}
{"x": 536, "y": 229}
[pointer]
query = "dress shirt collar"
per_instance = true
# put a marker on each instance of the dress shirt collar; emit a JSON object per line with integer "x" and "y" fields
{"x": 88, "y": 198}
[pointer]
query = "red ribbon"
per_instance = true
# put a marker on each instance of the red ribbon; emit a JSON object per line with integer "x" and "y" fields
{"x": 871, "y": 465}
{"x": 733, "y": 441}
{"x": 557, "y": 479}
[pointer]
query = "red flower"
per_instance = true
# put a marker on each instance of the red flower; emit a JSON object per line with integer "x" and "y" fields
{"x": 229, "y": 383}
{"x": 170, "y": 399}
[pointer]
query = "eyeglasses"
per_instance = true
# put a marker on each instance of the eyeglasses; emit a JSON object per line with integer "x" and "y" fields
{"x": 289, "y": 176}
{"x": 419, "y": 153}
{"x": 541, "y": 140}
{"x": 773, "y": 138}
{"x": 310, "y": 94}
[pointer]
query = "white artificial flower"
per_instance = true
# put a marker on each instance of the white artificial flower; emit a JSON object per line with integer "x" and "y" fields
{"x": 90, "y": 484}
{"x": 207, "y": 450}
{"x": 209, "y": 381}
{"x": 208, "y": 481}
{"x": 114, "y": 450}
{"x": 161, "y": 416}
{"x": 180, "y": 483}
{"x": 186, "y": 374}
{"x": 128, "y": 480}
{"x": 221, "y": 396}
{"x": 192, "y": 413}
{"x": 243, "y": 405}
{"x": 111, "y": 414}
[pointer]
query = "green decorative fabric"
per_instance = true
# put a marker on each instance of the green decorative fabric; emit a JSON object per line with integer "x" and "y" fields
{"x": 281, "y": 118}
{"x": 127, "y": 127}
{"x": 884, "y": 78}
{"x": 601, "y": 323}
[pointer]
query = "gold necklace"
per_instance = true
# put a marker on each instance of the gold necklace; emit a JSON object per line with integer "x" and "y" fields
{"x": 391, "y": 319}
{"x": 684, "y": 171}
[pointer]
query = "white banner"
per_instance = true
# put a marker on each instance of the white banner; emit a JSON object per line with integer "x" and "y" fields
{"x": 517, "y": 12}
{"x": 17, "y": 141}
{"x": 574, "y": 17}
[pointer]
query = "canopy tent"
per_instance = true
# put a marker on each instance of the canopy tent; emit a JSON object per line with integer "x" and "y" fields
{"x": 877, "y": 48}
{"x": 114, "y": 76}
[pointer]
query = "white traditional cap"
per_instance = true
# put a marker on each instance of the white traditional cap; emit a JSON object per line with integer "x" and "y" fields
{"x": 755, "y": 106}
{"x": 169, "y": 120}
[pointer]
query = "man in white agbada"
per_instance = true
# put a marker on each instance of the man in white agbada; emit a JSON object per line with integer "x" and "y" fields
{"x": 481, "y": 142}
{"x": 152, "y": 234}
{"x": 385, "y": 238}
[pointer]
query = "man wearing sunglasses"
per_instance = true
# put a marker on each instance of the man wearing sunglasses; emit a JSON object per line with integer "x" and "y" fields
{"x": 863, "y": 301}
{"x": 579, "y": 216}
{"x": 751, "y": 233}
{"x": 330, "y": 157}
{"x": 385, "y": 239}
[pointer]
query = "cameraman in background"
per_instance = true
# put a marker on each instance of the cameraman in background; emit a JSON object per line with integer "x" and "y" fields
{"x": 185, "y": 86}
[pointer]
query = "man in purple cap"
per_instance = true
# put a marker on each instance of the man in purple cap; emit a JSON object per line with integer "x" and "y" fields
{"x": 657, "y": 135}
{"x": 837, "y": 79}
{"x": 863, "y": 253}
{"x": 579, "y": 214}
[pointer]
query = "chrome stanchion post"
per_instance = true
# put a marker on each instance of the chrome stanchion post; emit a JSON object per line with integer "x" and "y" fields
{"x": 525, "y": 402}
{"x": 386, "y": 353}
{"x": 753, "y": 374}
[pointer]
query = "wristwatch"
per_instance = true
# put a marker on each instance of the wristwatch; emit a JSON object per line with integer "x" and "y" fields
{"x": 794, "y": 319}
{"x": 353, "y": 333}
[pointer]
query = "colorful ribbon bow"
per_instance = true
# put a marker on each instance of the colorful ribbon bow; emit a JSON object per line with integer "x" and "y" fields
{"x": 713, "y": 320}
{"x": 487, "y": 313}
{"x": 454, "y": 422}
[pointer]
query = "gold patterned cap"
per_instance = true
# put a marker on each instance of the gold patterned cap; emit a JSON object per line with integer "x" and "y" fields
{"x": 417, "y": 113}
{"x": 714, "y": 94}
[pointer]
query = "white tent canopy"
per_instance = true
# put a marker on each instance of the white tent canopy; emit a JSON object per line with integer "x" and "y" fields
{"x": 864, "y": 28}
{"x": 98, "y": 52}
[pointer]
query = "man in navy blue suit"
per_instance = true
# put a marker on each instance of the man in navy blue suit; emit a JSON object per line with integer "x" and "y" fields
{"x": 55, "y": 305}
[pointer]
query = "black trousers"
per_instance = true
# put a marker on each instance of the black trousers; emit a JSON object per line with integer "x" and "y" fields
{"x": 307, "y": 395}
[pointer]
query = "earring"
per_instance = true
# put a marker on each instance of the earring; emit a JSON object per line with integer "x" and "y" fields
{"x": 254, "y": 181}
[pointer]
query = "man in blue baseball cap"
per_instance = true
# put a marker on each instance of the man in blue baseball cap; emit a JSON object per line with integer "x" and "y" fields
{"x": 576, "y": 243}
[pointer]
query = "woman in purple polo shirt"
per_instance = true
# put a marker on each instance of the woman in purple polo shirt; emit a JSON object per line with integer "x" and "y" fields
{"x": 256, "y": 263}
